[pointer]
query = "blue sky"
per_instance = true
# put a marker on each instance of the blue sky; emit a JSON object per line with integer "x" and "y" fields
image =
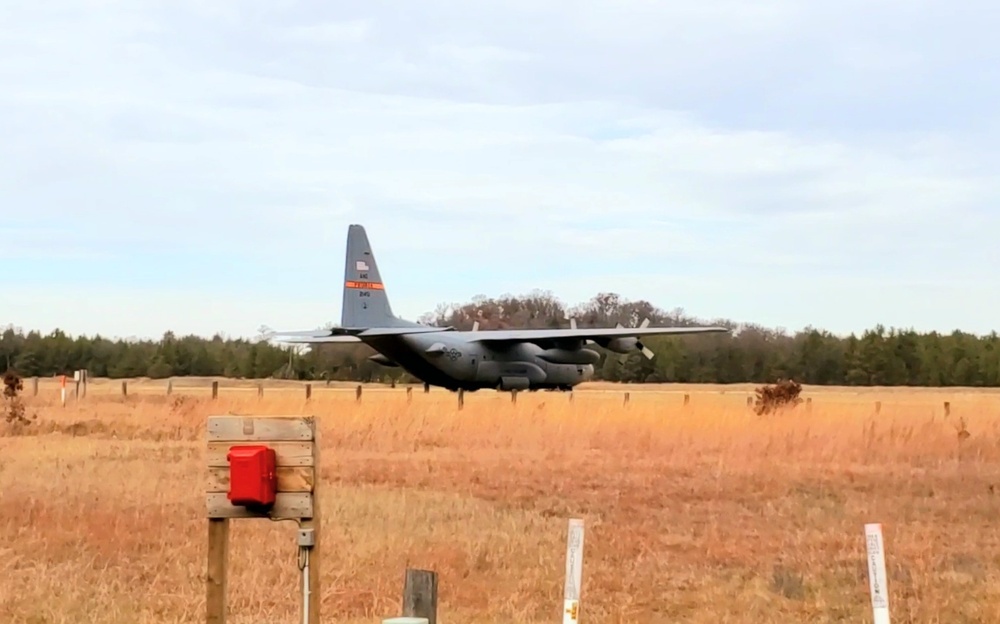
{"x": 194, "y": 166}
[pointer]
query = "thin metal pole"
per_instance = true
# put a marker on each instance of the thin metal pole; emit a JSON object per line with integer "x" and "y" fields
{"x": 305, "y": 586}
{"x": 307, "y": 539}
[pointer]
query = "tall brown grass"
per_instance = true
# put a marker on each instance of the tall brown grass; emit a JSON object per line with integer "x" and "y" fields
{"x": 703, "y": 513}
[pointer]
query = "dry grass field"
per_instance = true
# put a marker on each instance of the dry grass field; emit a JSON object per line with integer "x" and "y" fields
{"x": 697, "y": 513}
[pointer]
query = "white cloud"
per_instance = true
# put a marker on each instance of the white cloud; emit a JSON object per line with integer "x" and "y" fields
{"x": 503, "y": 147}
{"x": 336, "y": 33}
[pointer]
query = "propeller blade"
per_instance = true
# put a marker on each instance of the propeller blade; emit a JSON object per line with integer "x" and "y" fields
{"x": 645, "y": 350}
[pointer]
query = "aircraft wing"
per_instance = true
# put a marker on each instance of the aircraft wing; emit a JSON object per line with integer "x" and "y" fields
{"x": 592, "y": 333}
{"x": 399, "y": 331}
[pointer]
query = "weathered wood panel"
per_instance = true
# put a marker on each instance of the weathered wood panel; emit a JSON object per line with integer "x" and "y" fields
{"x": 261, "y": 428}
{"x": 286, "y": 505}
{"x": 290, "y": 479}
{"x": 286, "y": 453}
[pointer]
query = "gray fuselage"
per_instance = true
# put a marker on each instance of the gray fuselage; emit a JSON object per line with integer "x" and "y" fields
{"x": 449, "y": 359}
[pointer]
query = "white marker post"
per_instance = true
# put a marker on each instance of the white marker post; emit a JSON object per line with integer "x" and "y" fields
{"x": 574, "y": 572}
{"x": 877, "y": 581}
{"x": 62, "y": 384}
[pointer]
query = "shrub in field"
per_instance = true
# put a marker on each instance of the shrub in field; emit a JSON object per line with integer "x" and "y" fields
{"x": 784, "y": 393}
{"x": 13, "y": 406}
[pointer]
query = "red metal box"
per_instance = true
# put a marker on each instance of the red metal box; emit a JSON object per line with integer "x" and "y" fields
{"x": 252, "y": 477}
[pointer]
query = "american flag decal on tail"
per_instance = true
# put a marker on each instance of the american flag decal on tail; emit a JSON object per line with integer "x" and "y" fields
{"x": 361, "y": 265}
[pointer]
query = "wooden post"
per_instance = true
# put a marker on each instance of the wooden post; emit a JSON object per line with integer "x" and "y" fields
{"x": 513, "y": 395}
{"x": 357, "y": 393}
{"x": 260, "y": 390}
{"x": 947, "y": 408}
{"x": 215, "y": 389}
{"x": 170, "y": 387}
{"x": 809, "y": 404}
{"x": 309, "y": 391}
{"x": 409, "y": 394}
{"x": 427, "y": 388}
{"x": 124, "y": 388}
{"x": 296, "y": 446}
{"x": 749, "y": 401}
{"x": 216, "y": 580}
{"x": 626, "y": 399}
{"x": 77, "y": 390}
{"x": 461, "y": 398}
{"x": 687, "y": 399}
{"x": 34, "y": 386}
{"x": 420, "y": 595}
{"x": 878, "y": 407}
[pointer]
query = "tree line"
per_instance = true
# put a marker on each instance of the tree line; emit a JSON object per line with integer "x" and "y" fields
{"x": 750, "y": 353}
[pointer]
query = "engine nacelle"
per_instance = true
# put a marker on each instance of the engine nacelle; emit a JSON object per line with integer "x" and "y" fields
{"x": 625, "y": 344}
{"x": 570, "y": 356}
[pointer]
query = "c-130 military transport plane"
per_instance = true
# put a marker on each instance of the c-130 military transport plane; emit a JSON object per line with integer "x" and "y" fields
{"x": 509, "y": 359}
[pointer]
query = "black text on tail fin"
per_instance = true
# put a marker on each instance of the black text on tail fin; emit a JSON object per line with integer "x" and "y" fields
{"x": 365, "y": 302}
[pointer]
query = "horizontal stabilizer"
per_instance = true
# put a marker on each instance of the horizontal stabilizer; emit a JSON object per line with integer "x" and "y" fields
{"x": 350, "y": 334}
{"x": 317, "y": 339}
{"x": 318, "y": 333}
{"x": 308, "y": 333}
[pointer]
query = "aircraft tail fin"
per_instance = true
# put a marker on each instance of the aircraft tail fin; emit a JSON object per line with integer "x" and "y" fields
{"x": 365, "y": 302}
